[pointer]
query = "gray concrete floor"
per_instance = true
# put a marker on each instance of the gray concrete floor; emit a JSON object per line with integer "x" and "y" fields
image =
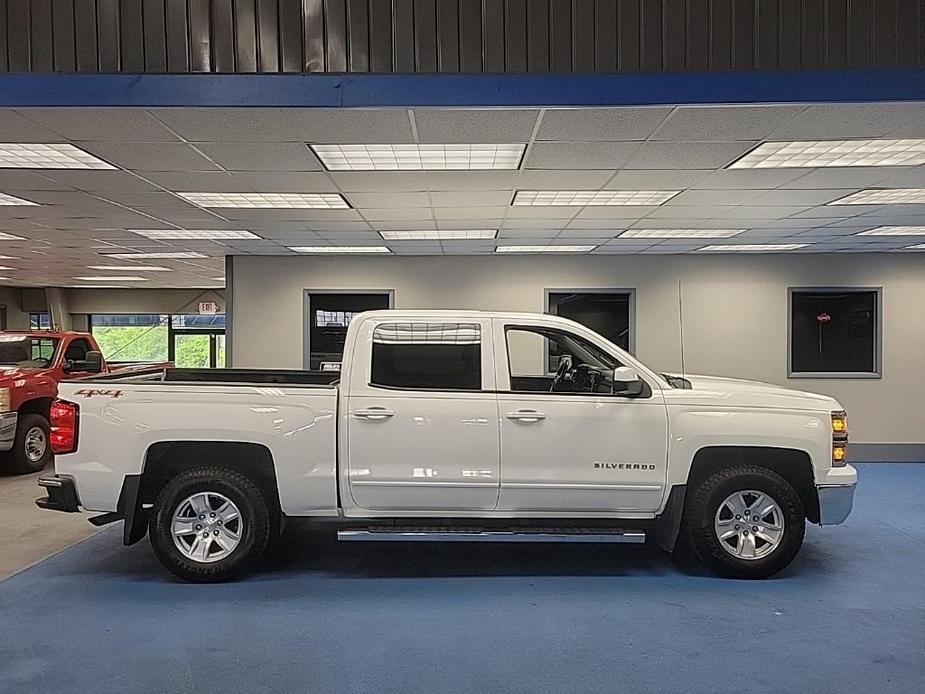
{"x": 27, "y": 533}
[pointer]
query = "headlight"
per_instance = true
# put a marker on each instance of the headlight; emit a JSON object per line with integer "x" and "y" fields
{"x": 839, "y": 439}
{"x": 5, "y": 400}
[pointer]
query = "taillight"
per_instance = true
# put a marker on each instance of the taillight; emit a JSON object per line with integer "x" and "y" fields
{"x": 839, "y": 439}
{"x": 63, "y": 426}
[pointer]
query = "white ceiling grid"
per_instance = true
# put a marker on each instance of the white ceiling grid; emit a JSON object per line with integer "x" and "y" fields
{"x": 137, "y": 212}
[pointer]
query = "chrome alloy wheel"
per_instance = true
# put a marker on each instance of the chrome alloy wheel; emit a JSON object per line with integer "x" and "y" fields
{"x": 36, "y": 444}
{"x": 206, "y": 527}
{"x": 749, "y": 524}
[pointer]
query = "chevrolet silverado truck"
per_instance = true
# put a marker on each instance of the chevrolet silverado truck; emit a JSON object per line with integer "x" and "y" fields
{"x": 453, "y": 426}
{"x": 32, "y": 364}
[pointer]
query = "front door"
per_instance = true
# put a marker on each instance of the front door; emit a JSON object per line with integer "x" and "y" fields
{"x": 568, "y": 444}
{"x": 422, "y": 417}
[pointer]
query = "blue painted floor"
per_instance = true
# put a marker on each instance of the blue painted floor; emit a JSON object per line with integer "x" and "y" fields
{"x": 847, "y": 616}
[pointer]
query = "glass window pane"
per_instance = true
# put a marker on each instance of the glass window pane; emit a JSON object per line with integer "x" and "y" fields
{"x": 833, "y": 331}
{"x": 606, "y": 313}
{"x": 191, "y": 351}
{"x": 427, "y": 356}
{"x": 131, "y": 337}
{"x": 535, "y": 356}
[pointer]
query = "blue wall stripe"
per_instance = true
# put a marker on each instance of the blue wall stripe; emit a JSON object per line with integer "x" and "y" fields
{"x": 484, "y": 90}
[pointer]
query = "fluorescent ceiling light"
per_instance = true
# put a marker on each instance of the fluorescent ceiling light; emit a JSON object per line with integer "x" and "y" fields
{"x": 916, "y": 247}
{"x": 13, "y": 200}
{"x": 592, "y": 197}
{"x": 419, "y": 157}
{"x": 884, "y": 196}
{"x": 339, "y": 249}
{"x": 131, "y": 268}
{"x": 755, "y": 247}
{"x": 307, "y": 201}
{"x": 778, "y": 155}
{"x": 4, "y": 267}
{"x": 34, "y": 155}
{"x": 100, "y": 278}
{"x": 894, "y": 231}
{"x": 10, "y": 237}
{"x": 439, "y": 234}
{"x": 679, "y": 233}
{"x": 159, "y": 255}
{"x": 544, "y": 249}
{"x": 217, "y": 234}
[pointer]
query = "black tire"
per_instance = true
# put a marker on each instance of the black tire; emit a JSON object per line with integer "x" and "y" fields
{"x": 704, "y": 502}
{"x": 255, "y": 524}
{"x": 18, "y": 459}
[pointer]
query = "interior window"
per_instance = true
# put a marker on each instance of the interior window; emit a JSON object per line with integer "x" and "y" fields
{"x": 554, "y": 361}
{"x": 427, "y": 356}
{"x": 833, "y": 332}
{"x": 77, "y": 350}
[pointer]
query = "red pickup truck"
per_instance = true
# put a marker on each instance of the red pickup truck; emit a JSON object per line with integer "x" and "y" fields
{"x": 31, "y": 365}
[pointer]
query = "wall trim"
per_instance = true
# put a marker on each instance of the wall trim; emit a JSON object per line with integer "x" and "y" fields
{"x": 229, "y": 310}
{"x": 886, "y": 452}
{"x": 462, "y": 90}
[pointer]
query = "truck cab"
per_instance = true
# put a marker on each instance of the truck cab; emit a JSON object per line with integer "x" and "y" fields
{"x": 453, "y": 426}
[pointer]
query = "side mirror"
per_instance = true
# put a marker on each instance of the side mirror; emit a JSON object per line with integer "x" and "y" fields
{"x": 627, "y": 382}
{"x": 94, "y": 362}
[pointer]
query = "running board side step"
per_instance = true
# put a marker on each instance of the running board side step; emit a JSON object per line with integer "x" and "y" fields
{"x": 393, "y": 534}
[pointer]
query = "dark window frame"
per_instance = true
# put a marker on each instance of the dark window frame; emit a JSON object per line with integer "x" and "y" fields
{"x": 307, "y": 293}
{"x": 877, "y": 333}
{"x": 629, "y": 291}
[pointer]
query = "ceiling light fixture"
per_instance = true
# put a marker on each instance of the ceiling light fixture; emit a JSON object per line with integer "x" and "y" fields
{"x": 10, "y": 237}
{"x": 544, "y": 198}
{"x": 819, "y": 153}
{"x": 205, "y": 234}
{"x": 13, "y": 200}
{"x": 159, "y": 255}
{"x": 417, "y": 157}
{"x": 100, "y": 278}
{"x": 679, "y": 233}
{"x": 307, "y": 201}
{"x": 754, "y": 247}
{"x": 34, "y": 155}
{"x": 894, "y": 231}
{"x": 884, "y": 196}
{"x": 439, "y": 235}
{"x": 340, "y": 249}
{"x": 916, "y": 247}
{"x": 544, "y": 249}
{"x": 131, "y": 268}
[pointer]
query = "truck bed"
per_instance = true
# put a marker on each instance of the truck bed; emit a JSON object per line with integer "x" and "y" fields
{"x": 323, "y": 379}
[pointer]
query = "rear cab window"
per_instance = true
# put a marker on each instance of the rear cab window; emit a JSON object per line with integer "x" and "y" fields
{"x": 427, "y": 356}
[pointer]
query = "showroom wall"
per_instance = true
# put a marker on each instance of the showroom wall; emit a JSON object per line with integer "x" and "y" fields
{"x": 734, "y": 312}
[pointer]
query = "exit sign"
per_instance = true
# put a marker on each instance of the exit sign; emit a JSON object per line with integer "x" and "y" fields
{"x": 208, "y": 308}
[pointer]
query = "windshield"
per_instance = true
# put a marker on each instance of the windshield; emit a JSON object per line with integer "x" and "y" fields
{"x": 27, "y": 352}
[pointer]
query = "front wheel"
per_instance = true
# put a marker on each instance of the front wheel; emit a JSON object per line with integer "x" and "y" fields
{"x": 210, "y": 524}
{"x": 745, "y": 522}
{"x": 31, "y": 451}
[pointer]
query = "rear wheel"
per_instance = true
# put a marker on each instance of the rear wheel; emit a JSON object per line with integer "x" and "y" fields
{"x": 210, "y": 524}
{"x": 745, "y": 522}
{"x": 31, "y": 451}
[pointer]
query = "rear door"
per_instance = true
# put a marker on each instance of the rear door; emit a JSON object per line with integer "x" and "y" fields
{"x": 422, "y": 417}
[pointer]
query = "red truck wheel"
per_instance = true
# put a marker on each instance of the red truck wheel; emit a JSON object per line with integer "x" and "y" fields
{"x": 31, "y": 450}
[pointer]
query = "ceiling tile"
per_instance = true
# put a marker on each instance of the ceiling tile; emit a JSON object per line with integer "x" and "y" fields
{"x": 264, "y": 156}
{"x": 101, "y": 181}
{"x": 762, "y": 179}
{"x": 495, "y": 126}
{"x": 579, "y": 155}
{"x": 843, "y": 121}
{"x": 140, "y": 156}
{"x": 388, "y": 200}
{"x": 658, "y": 179}
{"x": 725, "y": 123}
{"x": 687, "y": 155}
{"x": 474, "y": 198}
{"x": 716, "y": 196}
{"x": 800, "y": 197}
{"x": 375, "y": 181}
{"x": 17, "y": 128}
{"x": 285, "y": 182}
{"x": 600, "y": 124}
{"x": 102, "y": 124}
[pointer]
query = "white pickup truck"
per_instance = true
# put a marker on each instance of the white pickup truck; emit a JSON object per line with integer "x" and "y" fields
{"x": 453, "y": 426}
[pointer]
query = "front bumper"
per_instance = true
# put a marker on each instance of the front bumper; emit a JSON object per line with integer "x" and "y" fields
{"x": 62, "y": 494}
{"x": 836, "y": 495}
{"x": 8, "y": 422}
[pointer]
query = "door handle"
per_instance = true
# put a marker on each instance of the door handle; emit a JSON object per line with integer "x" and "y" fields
{"x": 527, "y": 416}
{"x": 374, "y": 413}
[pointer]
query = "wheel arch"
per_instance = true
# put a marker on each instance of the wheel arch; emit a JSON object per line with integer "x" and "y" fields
{"x": 792, "y": 464}
{"x": 164, "y": 460}
{"x": 40, "y": 405}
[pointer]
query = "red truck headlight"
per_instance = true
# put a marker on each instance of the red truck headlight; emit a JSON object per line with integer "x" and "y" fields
{"x": 63, "y": 436}
{"x": 839, "y": 439}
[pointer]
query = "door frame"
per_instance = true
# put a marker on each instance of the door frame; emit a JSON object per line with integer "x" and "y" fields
{"x": 307, "y": 314}
{"x": 213, "y": 333}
